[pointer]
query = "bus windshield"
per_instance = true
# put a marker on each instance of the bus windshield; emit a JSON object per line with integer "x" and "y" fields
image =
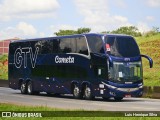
{"x": 121, "y": 46}
{"x": 125, "y": 71}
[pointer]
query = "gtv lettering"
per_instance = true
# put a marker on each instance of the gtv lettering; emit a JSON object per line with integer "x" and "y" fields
{"x": 20, "y": 57}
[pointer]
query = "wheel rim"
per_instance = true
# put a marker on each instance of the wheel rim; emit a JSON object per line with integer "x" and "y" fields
{"x": 29, "y": 88}
{"x": 87, "y": 92}
{"x": 23, "y": 87}
{"x": 76, "y": 91}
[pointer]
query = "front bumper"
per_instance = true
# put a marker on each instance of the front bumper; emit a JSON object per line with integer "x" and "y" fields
{"x": 112, "y": 91}
{"x": 118, "y": 93}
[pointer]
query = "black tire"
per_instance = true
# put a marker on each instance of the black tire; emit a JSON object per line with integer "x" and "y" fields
{"x": 76, "y": 92}
{"x": 88, "y": 93}
{"x": 118, "y": 98}
{"x": 23, "y": 88}
{"x": 30, "y": 88}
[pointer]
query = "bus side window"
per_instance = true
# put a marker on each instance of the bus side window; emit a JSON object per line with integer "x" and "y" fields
{"x": 56, "y": 46}
{"x": 38, "y": 44}
{"x": 82, "y": 46}
{"x": 65, "y": 46}
{"x": 73, "y": 44}
{"x": 47, "y": 46}
{"x": 68, "y": 45}
{"x": 96, "y": 44}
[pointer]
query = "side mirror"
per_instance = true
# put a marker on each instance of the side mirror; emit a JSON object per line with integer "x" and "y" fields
{"x": 149, "y": 59}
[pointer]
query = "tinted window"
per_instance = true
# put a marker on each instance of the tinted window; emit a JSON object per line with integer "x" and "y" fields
{"x": 46, "y": 46}
{"x": 95, "y": 44}
{"x": 55, "y": 46}
{"x": 82, "y": 46}
{"x": 74, "y": 45}
{"x": 122, "y": 47}
{"x": 65, "y": 45}
{"x": 35, "y": 45}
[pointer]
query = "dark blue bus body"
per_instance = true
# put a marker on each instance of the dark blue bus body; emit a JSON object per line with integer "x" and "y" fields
{"x": 86, "y": 66}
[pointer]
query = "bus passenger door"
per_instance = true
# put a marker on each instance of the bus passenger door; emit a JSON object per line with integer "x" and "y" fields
{"x": 99, "y": 65}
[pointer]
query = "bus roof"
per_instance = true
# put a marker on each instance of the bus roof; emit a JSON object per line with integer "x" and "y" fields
{"x": 66, "y": 36}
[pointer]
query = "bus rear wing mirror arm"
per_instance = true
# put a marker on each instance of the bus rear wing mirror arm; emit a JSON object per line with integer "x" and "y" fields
{"x": 110, "y": 61}
{"x": 149, "y": 59}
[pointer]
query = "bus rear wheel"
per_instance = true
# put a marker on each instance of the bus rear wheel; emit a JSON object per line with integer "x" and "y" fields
{"x": 76, "y": 92}
{"x": 88, "y": 93}
{"x": 29, "y": 88}
{"x": 23, "y": 88}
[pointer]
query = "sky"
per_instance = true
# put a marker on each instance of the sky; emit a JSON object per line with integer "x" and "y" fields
{"x": 42, "y": 18}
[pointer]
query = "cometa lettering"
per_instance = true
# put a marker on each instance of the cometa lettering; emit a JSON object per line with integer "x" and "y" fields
{"x": 64, "y": 60}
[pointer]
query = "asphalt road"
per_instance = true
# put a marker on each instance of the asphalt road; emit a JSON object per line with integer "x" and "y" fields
{"x": 8, "y": 95}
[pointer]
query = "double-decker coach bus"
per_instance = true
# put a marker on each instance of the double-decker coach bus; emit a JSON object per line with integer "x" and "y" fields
{"x": 85, "y": 65}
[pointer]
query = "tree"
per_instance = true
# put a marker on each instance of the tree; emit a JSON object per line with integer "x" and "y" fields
{"x": 83, "y": 30}
{"x": 71, "y": 32}
{"x": 65, "y": 32}
{"x": 154, "y": 31}
{"x": 129, "y": 30}
{"x": 105, "y": 32}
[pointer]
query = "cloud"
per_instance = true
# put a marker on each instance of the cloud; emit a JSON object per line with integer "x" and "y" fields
{"x": 150, "y": 18}
{"x": 119, "y": 3}
{"x": 22, "y": 30}
{"x": 10, "y": 9}
{"x": 27, "y": 29}
{"x": 143, "y": 27}
{"x": 153, "y": 3}
{"x": 97, "y": 17}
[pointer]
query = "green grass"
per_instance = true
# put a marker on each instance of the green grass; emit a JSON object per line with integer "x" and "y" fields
{"x": 3, "y": 57}
{"x": 144, "y": 39}
{"x": 18, "y": 108}
{"x": 15, "y": 107}
{"x": 3, "y": 67}
{"x": 150, "y": 46}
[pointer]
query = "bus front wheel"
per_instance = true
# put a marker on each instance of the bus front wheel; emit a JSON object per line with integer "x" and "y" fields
{"x": 76, "y": 92}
